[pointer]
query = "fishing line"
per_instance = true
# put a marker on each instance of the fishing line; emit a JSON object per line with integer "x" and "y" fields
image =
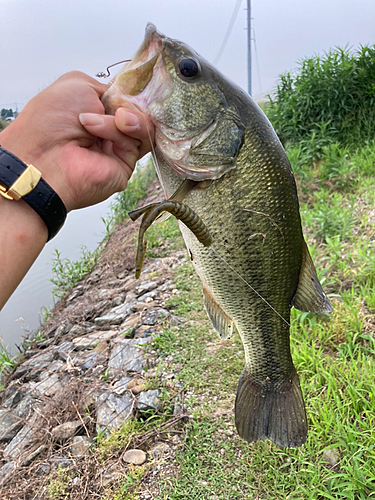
{"x": 248, "y": 284}
{"x": 257, "y": 61}
{"x": 229, "y": 31}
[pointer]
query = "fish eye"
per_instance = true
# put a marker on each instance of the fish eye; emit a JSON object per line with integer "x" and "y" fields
{"x": 188, "y": 67}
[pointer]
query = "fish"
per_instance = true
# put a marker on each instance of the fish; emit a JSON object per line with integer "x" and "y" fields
{"x": 217, "y": 155}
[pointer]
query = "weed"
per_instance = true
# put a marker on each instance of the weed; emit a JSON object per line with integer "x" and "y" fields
{"x": 7, "y": 361}
{"x": 117, "y": 439}
{"x": 135, "y": 190}
{"x": 58, "y": 484}
{"x": 68, "y": 273}
{"x": 334, "y": 92}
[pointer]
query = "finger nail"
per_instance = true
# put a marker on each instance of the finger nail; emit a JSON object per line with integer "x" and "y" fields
{"x": 128, "y": 118}
{"x": 91, "y": 119}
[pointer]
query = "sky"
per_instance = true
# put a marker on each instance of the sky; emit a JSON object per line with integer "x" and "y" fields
{"x": 43, "y": 39}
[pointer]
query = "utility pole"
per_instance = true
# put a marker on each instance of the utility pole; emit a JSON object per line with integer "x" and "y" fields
{"x": 249, "y": 46}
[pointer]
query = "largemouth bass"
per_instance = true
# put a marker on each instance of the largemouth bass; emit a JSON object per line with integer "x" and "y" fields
{"x": 217, "y": 155}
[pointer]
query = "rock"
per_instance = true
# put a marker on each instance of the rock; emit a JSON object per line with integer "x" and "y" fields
{"x": 138, "y": 388}
{"x": 48, "y": 385}
{"x": 9, "y": 426}
{"x": 63, "y": 351}
{"x": 149, "y": 319}
{"x": 65, "y": 431}
{"x": 149, "y": 400}
{"x": 128, "y": 326}
{"x": 177, "y": 409}
{"x": 25, "y": 373}
{"x": 92, "y": 359}
{"x": 158, "y": 450}
{"x": 93, "y": 339}
{"x": 146, "y": 287}
{"x": 80, "y": 445}
{"x": 14, "y": 399}
{"x": 129, "y": 283}
{"x": 135, "y": 457}
{"x": 105, "y": 293}
{"x": 127, "y": 355}
{"x": 113, "y": 410}
{"x": 149, "y": 296}
{"x": 63, "y": 330}
{"x": 55, "y": 366}
{"x": 60, "y": 462}
{"x": 109, "y": 476}
{"x": 21, "y": 441}
{"x": 116, "y": 315}
{"x": 43, "y": 470}
{"x": 117, "y": 301}
{"x": 6, "y": 472}
{"x": 12, "y": 420}
{"x": 41, "y": 361}
{"x": 331, "y": 457}
{"x": 150, "y": 374}
{"x": 144, "y": 331}
{"x": 33, "y": 455}
{"x": 74, "y": 295}
{"x": 121, "y": 386}
{"x": 77, "y": 330}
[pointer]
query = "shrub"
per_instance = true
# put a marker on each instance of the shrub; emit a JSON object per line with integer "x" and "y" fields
{"x": 335, "y": 92}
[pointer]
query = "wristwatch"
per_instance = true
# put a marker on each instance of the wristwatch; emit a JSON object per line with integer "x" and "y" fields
{"x": 21, "y": 181}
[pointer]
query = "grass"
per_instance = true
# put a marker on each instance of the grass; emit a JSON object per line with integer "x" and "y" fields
{"x": 68, "y": 273}
{"x": 327, "y": 96}
{"x": 335, "y": 358}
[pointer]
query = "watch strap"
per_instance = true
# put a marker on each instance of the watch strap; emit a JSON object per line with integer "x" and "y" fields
{"x": 42, "y": 198}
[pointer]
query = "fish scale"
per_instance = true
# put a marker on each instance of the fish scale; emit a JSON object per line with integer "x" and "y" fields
{"x": 217, "y": 154}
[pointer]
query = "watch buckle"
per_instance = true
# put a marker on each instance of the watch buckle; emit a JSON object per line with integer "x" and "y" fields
{"x": 25, "y": 183}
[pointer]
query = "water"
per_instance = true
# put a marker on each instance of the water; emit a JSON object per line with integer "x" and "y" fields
{"x": 22, "y": 311}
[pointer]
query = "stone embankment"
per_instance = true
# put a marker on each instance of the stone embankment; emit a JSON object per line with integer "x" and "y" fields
{"x": 92, "y": 369}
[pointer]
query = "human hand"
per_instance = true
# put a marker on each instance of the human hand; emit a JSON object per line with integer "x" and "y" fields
{"x": 84, "y": 155}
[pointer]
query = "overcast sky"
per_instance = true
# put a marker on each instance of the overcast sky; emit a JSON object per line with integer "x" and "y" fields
{"x": 42, "y": 39}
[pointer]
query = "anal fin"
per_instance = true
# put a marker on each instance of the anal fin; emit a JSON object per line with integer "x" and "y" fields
{"x": 310, "y": 296}
{"x": 221, "y": 322}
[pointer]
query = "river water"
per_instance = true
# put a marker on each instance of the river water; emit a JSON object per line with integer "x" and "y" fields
{"x": 22, "y": 312}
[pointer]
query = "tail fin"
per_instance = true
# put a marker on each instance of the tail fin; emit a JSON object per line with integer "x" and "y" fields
{"x": 276, "y": 413}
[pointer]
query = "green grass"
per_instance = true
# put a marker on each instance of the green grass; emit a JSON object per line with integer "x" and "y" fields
{"x": 68, "y": 273}
{"x": 327, "y": 96}
{"x": 135, "y": 190}
{"x": 335, "y": 359}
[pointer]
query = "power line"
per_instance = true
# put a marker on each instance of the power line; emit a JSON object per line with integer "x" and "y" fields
{"x": 229, "y": 31}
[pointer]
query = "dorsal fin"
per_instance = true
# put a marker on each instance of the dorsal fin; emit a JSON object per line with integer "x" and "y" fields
{"x": 309, "y": 296}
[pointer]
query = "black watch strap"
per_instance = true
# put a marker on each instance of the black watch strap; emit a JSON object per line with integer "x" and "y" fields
{"x": 42, "y": 198}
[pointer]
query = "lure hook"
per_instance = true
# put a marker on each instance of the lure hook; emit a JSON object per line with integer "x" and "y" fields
{"x": 103, "y": 75}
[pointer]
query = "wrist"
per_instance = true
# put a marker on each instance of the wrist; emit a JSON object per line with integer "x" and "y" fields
{"x": 21, "y": 181}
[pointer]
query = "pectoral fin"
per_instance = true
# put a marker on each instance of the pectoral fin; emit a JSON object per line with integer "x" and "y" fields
{"x": 221, "y": 322}
{"x": 310, "y": 296}
{"x": 218, "y": 145}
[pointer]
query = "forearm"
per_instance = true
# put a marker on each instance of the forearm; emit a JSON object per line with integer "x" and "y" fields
{"x": 83, "y": 155}
{"x": 23, "y": 236}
